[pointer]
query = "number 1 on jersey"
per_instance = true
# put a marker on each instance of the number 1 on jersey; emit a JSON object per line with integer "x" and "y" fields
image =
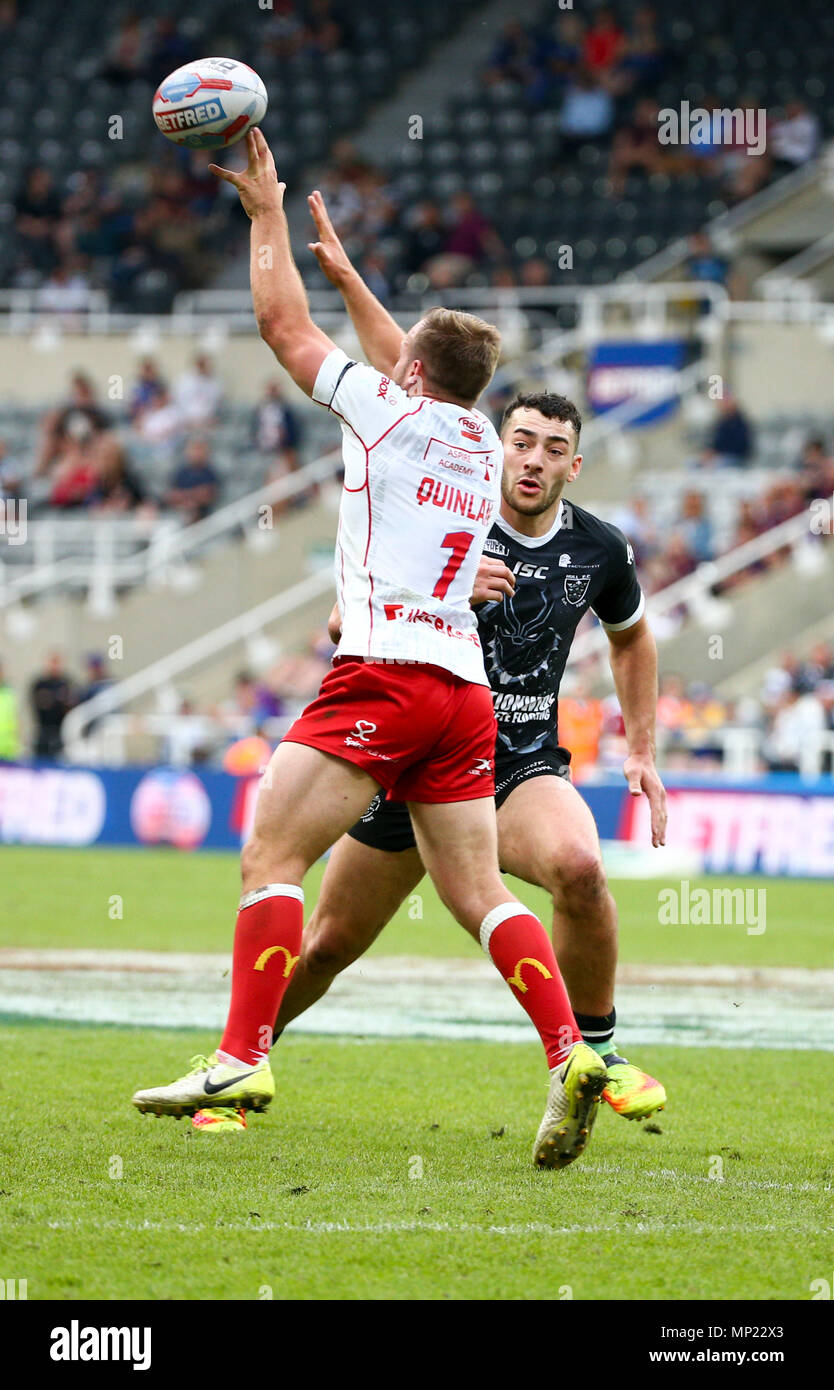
{"x": 458, "y": 542}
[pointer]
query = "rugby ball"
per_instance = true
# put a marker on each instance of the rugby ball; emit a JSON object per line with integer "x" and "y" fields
{"x": 209, "y": 104}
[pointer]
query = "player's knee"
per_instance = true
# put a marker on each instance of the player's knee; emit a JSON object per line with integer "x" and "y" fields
{"x": 253, "y": 862}
{"x": 325, "y": 953}
{"x": 579, "y": 875}
{"x": 261, "y": 862}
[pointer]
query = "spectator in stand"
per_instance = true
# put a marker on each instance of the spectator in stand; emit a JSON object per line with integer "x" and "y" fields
{"x": 127, "y": 52}
{"x": 324, "y": 31}
{"x": 150, "y": 386}
{"x": 674, "y": 712}
{"x": 704, "y": 262}
{"x": 818, "y": 666}
{"x": 587, "y": 111}
{"x": 169, "y": 49}
{"x": 374, "y": 271}
{"x": 471, "y": 236}
{"x": 276, "y": 432}
{"x": 118, "y": 488}
{"x": 285, "y": 29}
{"x": 470, "y": 233}
{"x": 194, "y": 485}
{"x": 636, "y": 147}
{"x": 636, "y": 519}
{"x": 11, "y": 476}
{"x": 513, "y": 56}
{"x": 299, "y": 675}
{"x": 74, "y": 475}
{"x": 96, "y": 678}
{"x": 798, "y": 718}
{"x": 80, "y": 408}
{"x": 503, "y": 277}
{"x": 780, "y": 678}
{"x": 816, "y": 470}
{"x": 52, "y": 697}
{"x": 677, "y": 559}
{"x": 731, "y": 440}
{"x": 9, "y": 722}
{"x": 695, "y": 527}
{"x": 605, "y": 42}
{"x": 581, "y": 719}
{"x": 67, "y": 291}
{"x": 242, "y": 713}
{"x": 198, "y": 393}
{"x": 794, "y": 139}
{"x": 162, "y": 421}
{"x": 37, "y": 209}
{"x": 643, "y": 59}
{"x": 535, "y": 273}
{"x": 188, "y": 740}
{"x": 707, "y": 715}
{"x": 425, "y": 236}
{"x": 781, "y": 501}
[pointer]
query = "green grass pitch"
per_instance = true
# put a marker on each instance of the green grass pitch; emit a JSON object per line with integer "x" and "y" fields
{"x": 398, "y": 1169}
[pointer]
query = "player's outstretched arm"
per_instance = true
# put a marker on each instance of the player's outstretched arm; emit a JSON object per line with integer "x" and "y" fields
{"x": 278, "y": 294}
{"x": 633, "y": 656}
{"x": 380, "y": 336}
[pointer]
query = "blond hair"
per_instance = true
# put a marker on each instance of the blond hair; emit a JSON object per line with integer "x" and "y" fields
{"x": 459, "y": 352}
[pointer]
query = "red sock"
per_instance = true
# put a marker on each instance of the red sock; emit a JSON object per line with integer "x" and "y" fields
{"x": 518, "y": 945}
{"x": 267, "y": 946}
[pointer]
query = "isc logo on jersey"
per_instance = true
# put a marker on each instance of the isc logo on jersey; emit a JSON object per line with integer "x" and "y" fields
{"x": 524, "y": 570}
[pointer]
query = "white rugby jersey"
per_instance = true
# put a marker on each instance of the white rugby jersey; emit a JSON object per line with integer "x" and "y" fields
{"x": 422, "y": 485}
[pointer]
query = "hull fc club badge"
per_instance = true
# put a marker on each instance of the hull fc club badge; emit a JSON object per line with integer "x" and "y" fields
{"x": 576, "y": 587}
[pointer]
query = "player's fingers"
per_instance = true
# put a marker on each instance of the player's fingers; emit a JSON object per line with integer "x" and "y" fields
{"x": 496, "y": 569}
{"x": 228, "y": 174}
{"x": 253, "y": 153}
{"x": 319, "y": 221}
{"x": 657, "y": 801}
{"x": 321, "y": 217}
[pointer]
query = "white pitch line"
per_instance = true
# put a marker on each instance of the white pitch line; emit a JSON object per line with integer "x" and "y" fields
{"x": 529, "y": 1228}
{"x": 424, "y": 997}
{"x": 729, "y": 1182}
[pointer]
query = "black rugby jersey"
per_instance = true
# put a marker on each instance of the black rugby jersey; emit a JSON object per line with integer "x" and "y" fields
{"x": 581, "y": 563}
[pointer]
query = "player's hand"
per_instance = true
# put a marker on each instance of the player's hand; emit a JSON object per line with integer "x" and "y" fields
{"x": 493, "y": 582}
{"x": 328, "y": 250}
{"x": 258, "y": 186}
{"x": 643, "y": 780}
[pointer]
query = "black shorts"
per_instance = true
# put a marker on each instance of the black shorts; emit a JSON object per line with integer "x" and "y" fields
{"x": 387, "y": 825}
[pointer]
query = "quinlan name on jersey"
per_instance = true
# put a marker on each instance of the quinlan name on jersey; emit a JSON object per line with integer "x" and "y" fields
{"x": 581, "y": 563}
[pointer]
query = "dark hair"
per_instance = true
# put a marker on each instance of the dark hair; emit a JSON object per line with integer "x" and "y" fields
{"x": 459, "y": 352}
{"x": 547, "y": 403}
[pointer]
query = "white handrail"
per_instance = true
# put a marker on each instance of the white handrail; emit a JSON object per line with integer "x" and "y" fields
{"x": 172, "y": 547}
{"x": 786, "y": 279}
{"x": 727, "y": 223}
{"x": 202, "y": 649}
{"x": 250, "y": 623}
{"x": 697, "y": 584}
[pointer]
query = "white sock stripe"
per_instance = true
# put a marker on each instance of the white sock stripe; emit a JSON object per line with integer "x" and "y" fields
{"x": 494, "y": 919}
{"x": 272, "y": 890}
